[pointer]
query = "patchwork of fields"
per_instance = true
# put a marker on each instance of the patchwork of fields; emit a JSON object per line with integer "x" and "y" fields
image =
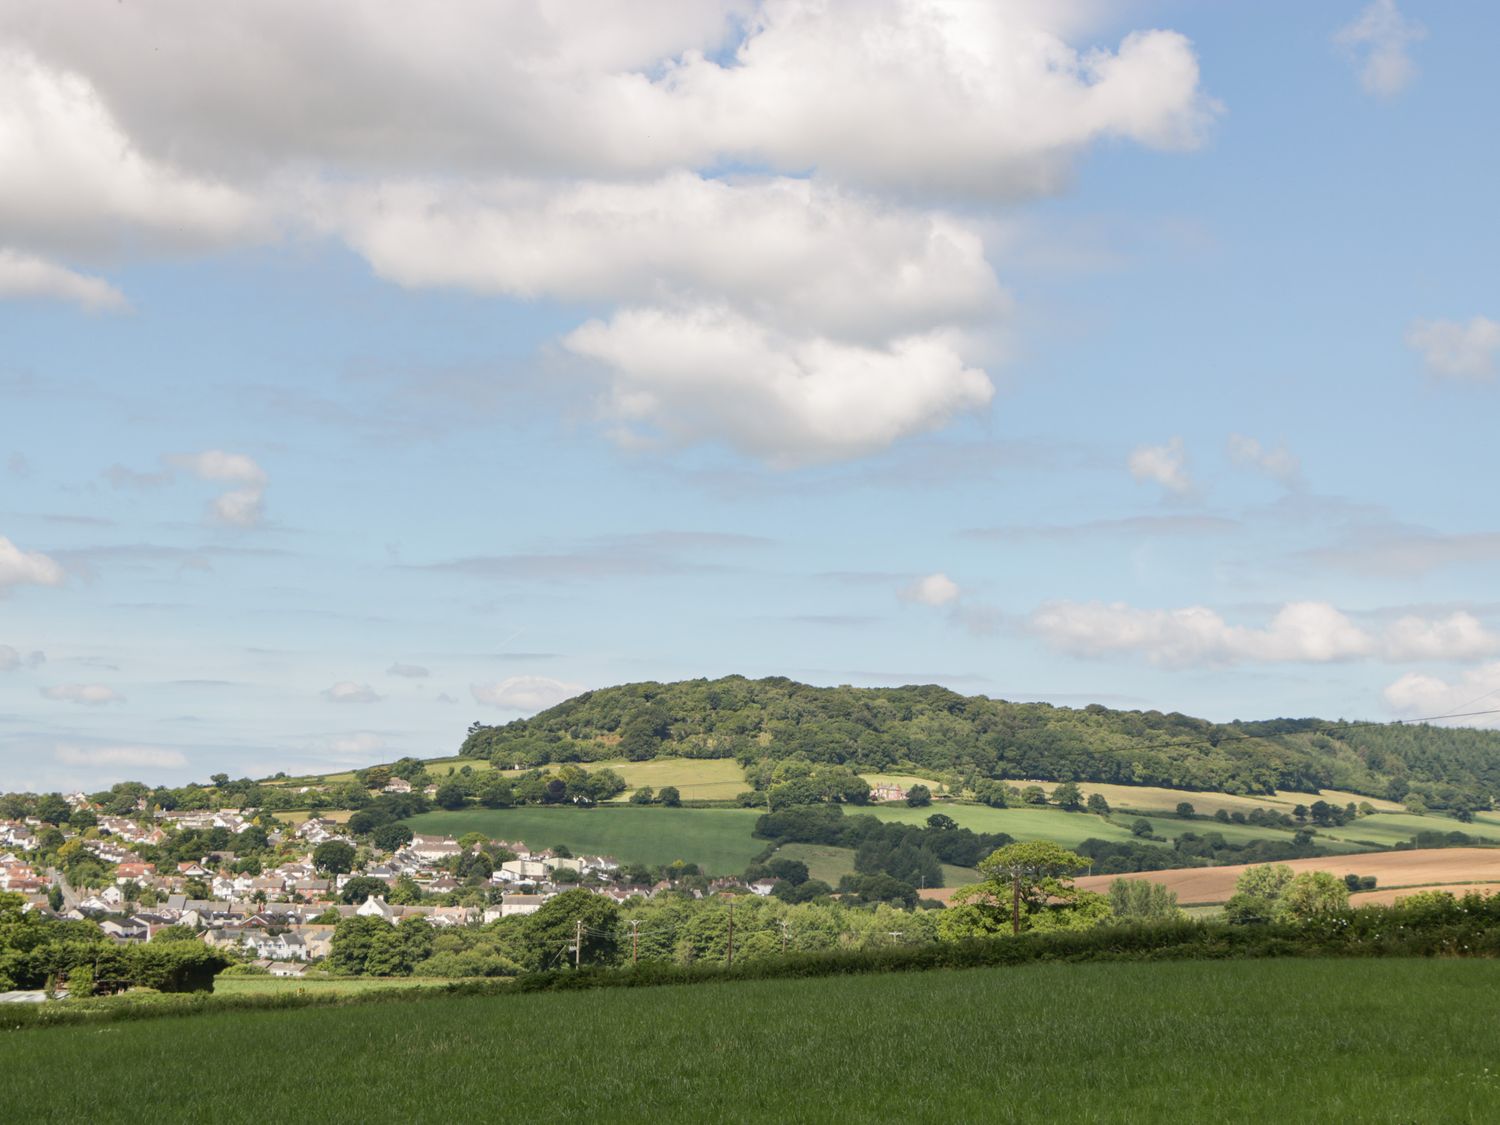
{"x": 1294, "y": 1040}
{"x": 1417, "y": 868}
{"x": 718, "y": 840}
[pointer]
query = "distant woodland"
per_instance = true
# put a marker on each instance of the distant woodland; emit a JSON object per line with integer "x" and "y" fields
{"x": 969, "y": 739}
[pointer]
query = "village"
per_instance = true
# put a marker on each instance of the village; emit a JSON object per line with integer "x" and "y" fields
{"x": 280, "y": 915}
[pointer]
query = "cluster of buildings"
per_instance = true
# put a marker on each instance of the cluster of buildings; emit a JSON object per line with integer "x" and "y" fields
{"x": 284, "y": 915}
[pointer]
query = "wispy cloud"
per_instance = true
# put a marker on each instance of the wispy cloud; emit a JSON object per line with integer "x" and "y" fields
{"x": 1165, "y": 465}
{"x": 94, "y": 695}
{"x": 524, "y": 693}
{"x": 1379, "y": 41}
{"x": 347, "y": 691}
{"x": 1458, "y": 350}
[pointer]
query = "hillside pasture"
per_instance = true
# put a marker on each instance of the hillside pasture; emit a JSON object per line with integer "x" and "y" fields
{"x": 1387, "y": 829}
{"x": 1151, "y": 798}
{"x": 718, "y": 840}
{"x": 1416, "y": 868}
{"x": 831, "y": 864}
{"x": 1294, "y": 1040}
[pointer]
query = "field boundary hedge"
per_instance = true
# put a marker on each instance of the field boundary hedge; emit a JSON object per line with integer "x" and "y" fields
{"x": 1439, "y": 926}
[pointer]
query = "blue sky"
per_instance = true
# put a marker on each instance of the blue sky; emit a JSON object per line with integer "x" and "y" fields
{"x": 1139, "y": 353}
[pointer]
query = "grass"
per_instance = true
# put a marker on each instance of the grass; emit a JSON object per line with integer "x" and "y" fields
{"x": 1298, "y": 1040}
{"x": 1385, "y": 829}
{"x": 275, "y": 986}
{"x": 718, "y": 840}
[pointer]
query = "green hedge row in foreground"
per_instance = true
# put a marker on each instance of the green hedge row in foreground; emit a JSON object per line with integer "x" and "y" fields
{"x": 1428, "y": 926}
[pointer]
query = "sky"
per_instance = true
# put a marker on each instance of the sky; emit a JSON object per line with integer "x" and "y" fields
{"x": 369, "y": 370}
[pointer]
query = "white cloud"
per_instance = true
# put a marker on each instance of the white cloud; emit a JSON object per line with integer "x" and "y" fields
{"x": 1418, "y": 695}
{"x": 1165, "y": 465}
{"x": 26, "y": 568}
{"x": 241, "y": 507}
{"x": 12, "y": 658}
{"x": 1451, "y": 349}
{"x": 933, "y": 590}
{"x": 24, "y": 275}
{"x": 580, "y": 157}
{"x": 906, "y": 94}
{"x": 1378, "y": 40}
{"x": 76, "y": 182}
{"x": 94, "y": 695}
{"x": 347, "y": 691}
{"x": 150, "y": 757}
{"x": 410, "y": 671}
{"x": 524, "y": 693}
{"x": 1310, "y": 632}
{"x": 800, "y": 254}
{"x": 709, "y": 373}
{"x": 1280, "y": 463}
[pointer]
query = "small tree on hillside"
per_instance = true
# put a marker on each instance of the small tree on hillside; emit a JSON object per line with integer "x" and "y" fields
{"x": 1098, "y": 805}
{"x": 918, "y": 796}
{"x": 1068, "y": 796}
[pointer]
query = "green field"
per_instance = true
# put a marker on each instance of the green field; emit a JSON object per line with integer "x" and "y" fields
{"x": 1298, "y": 1040}
{"x": 275, "y": 986}
{"x": 1385, "y": 829}
{"x": 718, "y": 840}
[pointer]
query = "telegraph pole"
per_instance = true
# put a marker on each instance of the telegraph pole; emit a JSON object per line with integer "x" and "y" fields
{"x": 784, "y": 925}
{"x": 635, "y": 924}
{"x": 731, "y": 931}
{"x": 578, "y": 945}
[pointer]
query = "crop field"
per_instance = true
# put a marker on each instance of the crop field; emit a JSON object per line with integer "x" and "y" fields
{"x": 1295, "y": 1040}
{"x": 718, "y": 840}
{"x": 275, "y": 986}
{"x": 1418, "y": 868}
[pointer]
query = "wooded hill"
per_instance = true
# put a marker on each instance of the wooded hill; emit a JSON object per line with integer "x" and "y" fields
{"x": 964, "y": 739}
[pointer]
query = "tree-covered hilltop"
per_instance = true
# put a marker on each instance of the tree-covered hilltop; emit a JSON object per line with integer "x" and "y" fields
{"x": 971, "y": 738}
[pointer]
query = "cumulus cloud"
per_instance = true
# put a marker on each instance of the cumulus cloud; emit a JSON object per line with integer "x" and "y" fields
{"x": 991, "y": 99}
{"x": 243, "y": 506}
{"x": 76, "y": 182}
{"x": 837, "y": 292}
{"x": 12, "y": 658}
{"x": 26, "y": 568}
{"x": 1280, "y": 464}
{"x": 1165, "y": 465}
{"x": 1378, "y": 40}
{"x": 1452, "y": 349}
{"x": 1419, "y": 694}
{"x": 25, "y": 275}
{"x": 347, "y": 691}
{"x": 933, "y": 589}
{"x": 712, "y": 373}
{"x": 524, "y": 693}
{"x": 124, "y": 757}
{"x": 1300, "y": 632}
{"x": 94, "y": 695}
{"x": 410, "y": 671}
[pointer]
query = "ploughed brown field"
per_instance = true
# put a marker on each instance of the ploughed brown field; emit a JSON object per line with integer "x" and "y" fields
{"x": 1463, "y": 868}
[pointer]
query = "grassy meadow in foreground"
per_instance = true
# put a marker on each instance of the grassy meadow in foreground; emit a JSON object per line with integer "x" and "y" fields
{"x": 1303, "y": 1040}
